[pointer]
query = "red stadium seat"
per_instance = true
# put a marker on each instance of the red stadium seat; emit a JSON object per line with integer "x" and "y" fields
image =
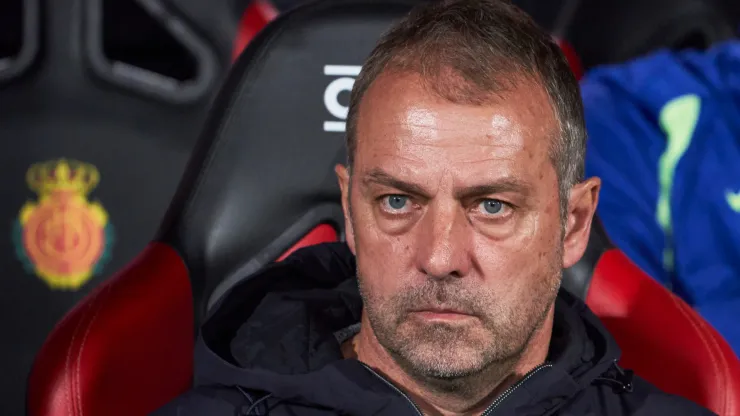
{"x": 258, "y": 183}
{"x": 662, "y": 338}
{"x": 644, "y": 316}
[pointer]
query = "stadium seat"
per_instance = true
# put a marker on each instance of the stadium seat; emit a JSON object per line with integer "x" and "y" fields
{"x": 259, "y": 184}
{"x": 97, "y": 121}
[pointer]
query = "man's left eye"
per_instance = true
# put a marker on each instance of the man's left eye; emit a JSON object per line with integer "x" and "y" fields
{"x": 492, "y": 207}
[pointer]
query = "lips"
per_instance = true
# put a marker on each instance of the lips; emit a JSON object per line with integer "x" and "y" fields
{"x": 441, "y": 311}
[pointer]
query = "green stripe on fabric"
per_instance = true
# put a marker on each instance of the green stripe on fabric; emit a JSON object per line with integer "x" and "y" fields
{"x": 678, "y": 119}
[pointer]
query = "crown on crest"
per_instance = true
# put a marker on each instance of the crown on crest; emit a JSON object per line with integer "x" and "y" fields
{"x": 62, "y": 175}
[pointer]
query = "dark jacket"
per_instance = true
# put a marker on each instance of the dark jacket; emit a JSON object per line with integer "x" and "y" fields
{"x": 272, "y": 347}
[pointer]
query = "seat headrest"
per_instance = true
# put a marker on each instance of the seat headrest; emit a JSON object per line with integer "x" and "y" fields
{"x": 272, "y": 138}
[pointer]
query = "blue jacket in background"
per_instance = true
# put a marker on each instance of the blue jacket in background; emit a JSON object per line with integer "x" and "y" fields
{"x": 664, "y": 136}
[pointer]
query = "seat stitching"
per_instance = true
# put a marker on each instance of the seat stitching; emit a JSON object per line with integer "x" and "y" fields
{"x": 106, "y": 291}
{"x": 67, "y": 364}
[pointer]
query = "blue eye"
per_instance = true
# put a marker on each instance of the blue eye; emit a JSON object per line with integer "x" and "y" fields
{"x": 397, "y": 202}
{"x": 492, "y": 206}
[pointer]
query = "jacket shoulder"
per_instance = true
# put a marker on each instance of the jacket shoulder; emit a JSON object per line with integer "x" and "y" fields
{"x": 672, "y": 405}
{"x": 643, "y": 399}
{"x": 647, "y": 400}
{"x": 217, "y": 400}
{"x": 207, "y": 400}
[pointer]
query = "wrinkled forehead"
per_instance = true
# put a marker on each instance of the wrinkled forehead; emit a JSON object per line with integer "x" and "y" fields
{"x": 401, "y": 117}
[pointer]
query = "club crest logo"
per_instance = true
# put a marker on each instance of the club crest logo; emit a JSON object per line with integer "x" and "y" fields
{"x": 63, "y": 238}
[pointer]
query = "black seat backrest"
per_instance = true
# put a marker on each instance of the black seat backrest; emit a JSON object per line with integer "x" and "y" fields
{"x": 262, "y": 175}
{"x": 112, "y": 90}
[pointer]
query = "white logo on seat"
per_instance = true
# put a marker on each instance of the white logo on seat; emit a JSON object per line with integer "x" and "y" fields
{"x": 346, "y": 80}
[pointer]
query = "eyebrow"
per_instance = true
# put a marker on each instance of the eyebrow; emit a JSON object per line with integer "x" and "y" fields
{"x": 497, "y": 187}
{"x": 509, "y": 184}
{"x": 380, "y": 177}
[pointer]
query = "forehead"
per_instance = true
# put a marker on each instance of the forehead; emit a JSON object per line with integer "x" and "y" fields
{"x": 401, "y": 119}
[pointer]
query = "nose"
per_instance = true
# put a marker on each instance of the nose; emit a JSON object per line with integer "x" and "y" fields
{"x": 444, "y": 243}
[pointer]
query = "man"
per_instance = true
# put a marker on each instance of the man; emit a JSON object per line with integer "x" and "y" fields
{"x": 464, "y": 200}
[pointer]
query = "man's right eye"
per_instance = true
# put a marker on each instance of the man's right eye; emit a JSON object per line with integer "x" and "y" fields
{"x": 395, "y": 203}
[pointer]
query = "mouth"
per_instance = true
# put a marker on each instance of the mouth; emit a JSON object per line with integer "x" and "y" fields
{"x": 441, "y": 314}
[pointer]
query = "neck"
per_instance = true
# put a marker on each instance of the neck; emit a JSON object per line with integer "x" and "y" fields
{"x": 469, "y": 395}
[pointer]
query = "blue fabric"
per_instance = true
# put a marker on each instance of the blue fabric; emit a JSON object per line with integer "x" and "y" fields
{"x": 635, "y": 112}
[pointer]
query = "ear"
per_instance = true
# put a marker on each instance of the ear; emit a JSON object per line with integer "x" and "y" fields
{"x": 582, "y": 202}
{"x": 343, "y": 176}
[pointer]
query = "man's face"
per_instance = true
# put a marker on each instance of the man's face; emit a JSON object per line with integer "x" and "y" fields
{"x": 453, "y": 215}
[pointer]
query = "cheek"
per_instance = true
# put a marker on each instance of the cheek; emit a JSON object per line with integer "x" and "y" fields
{"x": 382, "y": 258}
{"x": 522, "y": 259}
{"x": 379, "y": 281}
{"x": 371, "y": 234}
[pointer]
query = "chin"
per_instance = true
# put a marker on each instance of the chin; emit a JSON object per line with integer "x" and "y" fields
{"x": 446, "y": 363}
{"x": 445, "y": 355}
